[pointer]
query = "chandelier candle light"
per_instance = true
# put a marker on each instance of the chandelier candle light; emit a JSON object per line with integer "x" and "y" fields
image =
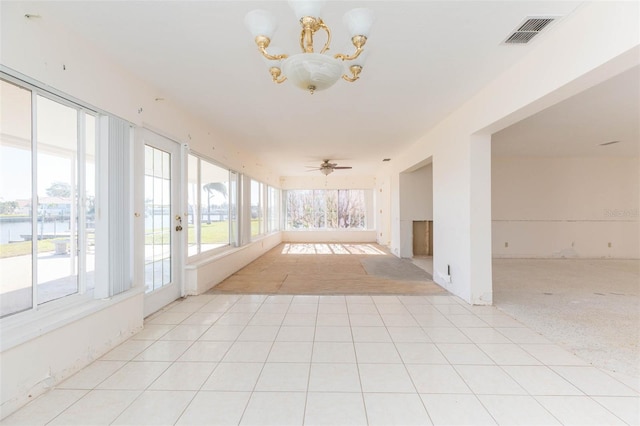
{"x": 310, "y": 70}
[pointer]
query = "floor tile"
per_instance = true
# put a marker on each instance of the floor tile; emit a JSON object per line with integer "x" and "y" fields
{"x": 437, "y": 379}
{"x": 452, "y": 309}
{"x": 290, "y": 352}
{"x": 420, "y": 353}
{"x": 283, "y": 377}
{"x": 97, "y": 407}
{"x": 578, "y": 410}
{"x": 202, "y": 318}
{"x": 626, "y": 408}
{"x": 186, "y": 307}
{"x": 385, "y": 378}
{"x": 184, "y": 376}
{"x": 460, "y": 353}
{"x": 500, "y": 321}
{"x": 334, "y": 409}
{"x": 484, "y": 335}
{"x": 185, "y": 332}
{"x": 333, "y": 352}
{"x": 278, "y": 299}
{"x": 91, "y": 376}
{"x": 333, "y": 334}
{"x": 164, "y": 351}
{"x": 244, "y": 308}
{"x": 257, "y": 333}
{"x": 386, "y": 299}
{"x": 275, "y": 408}
{"x": 522, "y": 335}
{"x": 135, "y": 375}
{"x": 205, "y": 351}
{"x": 377, "y": 353}
{"x": 127, "y": 350}
{"x": 153, "y": 331}
{"x": 332, "y": 320}
{"x": 222, "y": 332}
{"x": 235, "y": 318}
{"x": 334, "y": 378}
{"x": 408, "y": 334}
{"x": 332, "y": 299}
{"x": 507, "y": 354}
{"x": 248, "y": 352}
{"x": 370, "y": 334}
{"x": 295, "y": 334}
{"x": 466, "y": 321}
{"x": 517, "y": 410}
{"x": 171, "y": 318}
{"x": 540, "y": 380}
{"x": 552, "y": 355}
{"x": 399, "y": 320}
{"x": 366, "y": 320}
{"x": 456, "y": 410}
{"x": 594, "y": 382}
{"x": 215, "y": 408}
{"x": 332, "y": 308}
{"x": 156, "y": 407}
{"x": 303, "y": 308}
{"x": 395, "y": 409}
{"x": 233, "y": 377}
{"x": 267, "y": 319}
{"x": 432, "y": 320}
{"x": 489, "y": 380}
{"x": 446, "y": 335}
{"x": 44, "y": 408}
{"x": 252, "y": 298}
{"x": 273, "y": 308}
{"x": 292, "y": 319}
{"x": 305, "y": 299}
{"x": 216, "y": 306}
{"x": 359, "y": 300}
{"x": 362, "y": 308}
{"x": 391, "y": 309}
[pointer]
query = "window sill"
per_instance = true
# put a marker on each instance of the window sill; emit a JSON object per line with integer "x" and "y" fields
{"x": 28, "y": 325}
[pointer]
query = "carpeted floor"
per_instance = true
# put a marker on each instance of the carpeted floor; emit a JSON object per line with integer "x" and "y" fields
{"x": 329, "y": 268}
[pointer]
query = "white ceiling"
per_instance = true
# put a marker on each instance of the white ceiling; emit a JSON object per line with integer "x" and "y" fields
{"x": 579, "y": 125}
{"x": 426, "y": 58}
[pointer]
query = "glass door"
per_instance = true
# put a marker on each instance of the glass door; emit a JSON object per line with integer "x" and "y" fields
{"x": 162, "y": 222}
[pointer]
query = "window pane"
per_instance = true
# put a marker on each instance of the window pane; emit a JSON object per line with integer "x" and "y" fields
{"x": 332, "y": 209}
{"x": 157, "y": 239}
{"x": 233, "y": 208}
{"x": 256, "y": 208}
{"x": 193, "y": 224}
{"x": 214, "y": 209}
{"x": 15, "y": 200}
{"x": 90, "y": 199}
{"x": 57, "y": 127}
{"x": 274, "y": 209}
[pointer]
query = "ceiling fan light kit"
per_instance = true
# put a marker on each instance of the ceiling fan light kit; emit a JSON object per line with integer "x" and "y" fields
{"x": 310, "y": 70}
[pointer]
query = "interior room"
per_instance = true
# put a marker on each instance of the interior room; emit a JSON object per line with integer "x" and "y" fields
{"x": 358, "y": 212}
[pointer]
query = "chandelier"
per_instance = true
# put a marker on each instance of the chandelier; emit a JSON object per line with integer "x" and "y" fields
{"x": 311, "y": 70}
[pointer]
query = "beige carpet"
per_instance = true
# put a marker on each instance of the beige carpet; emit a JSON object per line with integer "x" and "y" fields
{"x": 330, "y": 268}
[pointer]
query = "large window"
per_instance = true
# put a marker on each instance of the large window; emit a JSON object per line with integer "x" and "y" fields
{"x": 328, "y": 209}
{"x": 257, "y": 208}
{"x": 47, "y": 198}
{"x": 212, "y": 209}
{"x": 273, "y": 209}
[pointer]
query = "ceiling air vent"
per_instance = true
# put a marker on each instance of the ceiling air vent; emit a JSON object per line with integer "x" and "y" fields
{"x": 528, "y": 30}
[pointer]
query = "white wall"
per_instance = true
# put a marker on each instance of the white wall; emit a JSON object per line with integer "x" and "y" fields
{"x": 558, "y": 66}
{"x": 565, "y": 207}
{"x": 416, "y": 203}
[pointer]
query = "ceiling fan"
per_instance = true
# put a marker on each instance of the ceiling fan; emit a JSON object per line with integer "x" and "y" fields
{"x": 326, "y": 167}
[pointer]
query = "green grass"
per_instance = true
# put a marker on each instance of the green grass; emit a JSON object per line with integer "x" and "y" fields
{"x": 24, "y": 247}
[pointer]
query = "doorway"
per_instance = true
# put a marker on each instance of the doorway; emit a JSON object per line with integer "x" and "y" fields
{"x": 163, "y": 236}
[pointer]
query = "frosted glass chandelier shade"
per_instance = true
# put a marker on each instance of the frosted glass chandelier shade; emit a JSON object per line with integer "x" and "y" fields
{"x": 303, "y": 8}
{"x": 261, "y": 23}
{"x": 359, "y": 21}
{"x": 312, "y": 71}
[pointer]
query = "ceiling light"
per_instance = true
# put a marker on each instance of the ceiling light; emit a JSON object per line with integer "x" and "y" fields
{"x": 311, "y": 70}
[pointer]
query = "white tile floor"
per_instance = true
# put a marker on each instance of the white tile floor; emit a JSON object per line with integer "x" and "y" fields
{"x": 336, "y": 360}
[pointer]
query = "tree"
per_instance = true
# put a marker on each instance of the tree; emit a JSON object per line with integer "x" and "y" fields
{"x": 59, "y": 189}
{"x": 212, "y": 188}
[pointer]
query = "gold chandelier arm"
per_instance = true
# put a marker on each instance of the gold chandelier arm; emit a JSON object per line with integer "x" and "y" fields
{"x": 328, "y": 43}
{"x": 359, "y": 42}
{"x": 275, "y": 75}
{"x": 272, "y": 57}
{"x": 355, "y": 73}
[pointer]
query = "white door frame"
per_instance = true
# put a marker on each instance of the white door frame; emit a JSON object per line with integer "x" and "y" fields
{"x": 157, "y": 299}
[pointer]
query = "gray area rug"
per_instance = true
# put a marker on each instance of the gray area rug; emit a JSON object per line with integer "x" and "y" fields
{"x": 395, "y": 269}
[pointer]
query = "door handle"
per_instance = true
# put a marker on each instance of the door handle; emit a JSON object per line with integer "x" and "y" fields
{"x": 179, "y": 226}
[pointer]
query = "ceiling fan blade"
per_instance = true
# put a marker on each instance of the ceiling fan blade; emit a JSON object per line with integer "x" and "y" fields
{"x": 343, "y": 167}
